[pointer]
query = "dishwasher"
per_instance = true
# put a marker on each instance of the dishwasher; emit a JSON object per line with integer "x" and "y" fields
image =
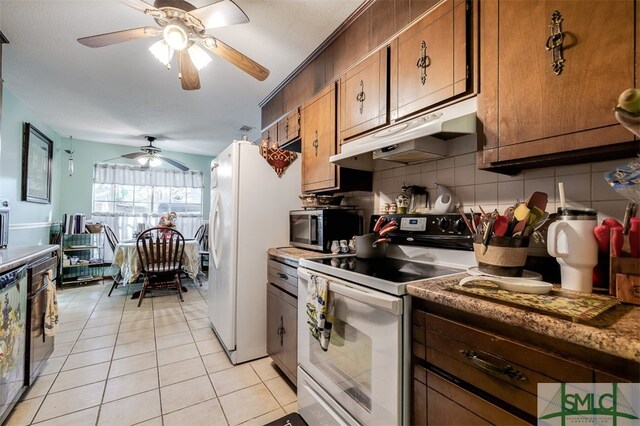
{"x": 13, "y": 314}
{"x": 39, "y": 345}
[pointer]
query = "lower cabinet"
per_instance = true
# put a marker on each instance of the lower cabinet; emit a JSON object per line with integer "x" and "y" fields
{"x": 468, "y": 370}
{"x": 282, "y": 320}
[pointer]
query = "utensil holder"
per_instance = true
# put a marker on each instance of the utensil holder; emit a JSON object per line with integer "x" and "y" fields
{"x": 504, "y": 256}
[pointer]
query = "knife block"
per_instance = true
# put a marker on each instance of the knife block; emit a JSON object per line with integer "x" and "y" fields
{"x": 624, "y": 275}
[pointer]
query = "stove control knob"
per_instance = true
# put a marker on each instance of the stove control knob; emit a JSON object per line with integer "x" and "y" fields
{"x": 443, "y": 223}
{"x": 459, "y": 225}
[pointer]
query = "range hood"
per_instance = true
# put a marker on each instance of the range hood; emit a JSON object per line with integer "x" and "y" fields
{"x": 413, "y": 141}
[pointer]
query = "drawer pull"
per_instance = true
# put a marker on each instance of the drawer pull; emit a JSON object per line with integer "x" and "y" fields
{"x": 283, "y": 276}
{"x": 487, "y": 367}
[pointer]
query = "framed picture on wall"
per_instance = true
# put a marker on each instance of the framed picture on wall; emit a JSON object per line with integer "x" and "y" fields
{"x": 37, "y": 156}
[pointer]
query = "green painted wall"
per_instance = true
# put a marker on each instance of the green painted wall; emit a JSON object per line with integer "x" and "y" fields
{"x": 75, "y": 191}
{"x": 69, "y": 194}
{"x": 27, "y": 219}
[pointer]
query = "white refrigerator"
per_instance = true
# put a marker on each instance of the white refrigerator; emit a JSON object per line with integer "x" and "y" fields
{"x": 249, "y": 213}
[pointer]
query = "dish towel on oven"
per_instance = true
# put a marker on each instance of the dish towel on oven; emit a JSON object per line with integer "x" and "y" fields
{"x": 319, "y": 310}
{"x": 51, "y": 308}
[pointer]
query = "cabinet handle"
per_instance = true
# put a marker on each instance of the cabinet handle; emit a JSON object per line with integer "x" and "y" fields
{"x": 360, "y": 97}
{"x": 492, "y": 369}
{"x": 315, "y": 142}
{"x": 554, "y": 42}
{"x": 286, "y": 127}
{"x": 281, "y": 331}
{"x": 423, "y": 62}
{"x": 283, "y": 276}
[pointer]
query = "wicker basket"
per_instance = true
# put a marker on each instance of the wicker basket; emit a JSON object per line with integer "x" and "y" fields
{"x": 313, "y": 200}
{"x": 94, "y": 228}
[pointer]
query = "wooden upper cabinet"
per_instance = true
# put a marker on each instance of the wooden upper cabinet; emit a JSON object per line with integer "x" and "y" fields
{"x": 529, "y": 108}
{"x": 270, "y": 134}
{"x": 363, "y": 96}
{"x": 429, "y": 60}
{"x": 289, "y": 127}
{"x": 318, "y": 120}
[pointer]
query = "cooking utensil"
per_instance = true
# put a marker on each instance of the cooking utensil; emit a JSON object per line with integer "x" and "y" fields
{"x": 539, "y": 200}
{"x": 513, "y": 284}
{"x": 500, "y": 225}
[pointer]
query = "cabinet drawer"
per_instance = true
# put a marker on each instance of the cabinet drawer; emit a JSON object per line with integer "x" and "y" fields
{"x": 449, "y": 404}
{"x": 504, "y": 368}
{"x": 283, "y": 276}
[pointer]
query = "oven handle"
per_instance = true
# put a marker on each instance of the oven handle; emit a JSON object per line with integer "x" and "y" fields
{"x": 378, "y": 300}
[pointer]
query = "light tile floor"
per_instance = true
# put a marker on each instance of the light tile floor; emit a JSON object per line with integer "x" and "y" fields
{"x": 117, "y": 364}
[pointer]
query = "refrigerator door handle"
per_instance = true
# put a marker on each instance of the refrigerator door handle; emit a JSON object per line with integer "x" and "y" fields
{"x": 212, "y": 231}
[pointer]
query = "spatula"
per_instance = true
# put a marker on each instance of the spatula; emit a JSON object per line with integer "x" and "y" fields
{"x": 500, "y": 226}
{"x": 518, "y": 285}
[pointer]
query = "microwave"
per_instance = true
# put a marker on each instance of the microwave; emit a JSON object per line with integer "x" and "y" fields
{"x": 316, "y": 229}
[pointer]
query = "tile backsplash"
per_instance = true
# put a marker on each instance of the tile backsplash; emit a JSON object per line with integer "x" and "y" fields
{"x": 584, "y": 185}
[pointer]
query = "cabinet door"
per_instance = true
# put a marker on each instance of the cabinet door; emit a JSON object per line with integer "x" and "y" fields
{"x": 363, "y": 96}
{"x": 319, "y": 141}
{"x": 428, "y": 60}
{"x": 289, "y": 127}
{"x": 274, "y": 322}
{"x": 270, "y": 134}
{"x": 542, "y": 110}
{"x": 290, "y": 334}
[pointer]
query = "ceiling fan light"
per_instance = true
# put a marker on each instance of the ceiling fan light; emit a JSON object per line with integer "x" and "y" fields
{"x": 176, "y": 36}
{"x": 143, "y": 160}
{"x": 199, "y": 57}
{"x": 162, "y": 52}
{"x": 155, "y": 162}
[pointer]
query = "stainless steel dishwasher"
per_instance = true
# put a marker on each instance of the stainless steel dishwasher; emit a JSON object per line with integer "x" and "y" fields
{"x": 13, "y": 315}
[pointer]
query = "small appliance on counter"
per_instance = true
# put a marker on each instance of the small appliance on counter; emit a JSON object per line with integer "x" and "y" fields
{"x": 4, "y": 223}
{"x": 314, "y": 228}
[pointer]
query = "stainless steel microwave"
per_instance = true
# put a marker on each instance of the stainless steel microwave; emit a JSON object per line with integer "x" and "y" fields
{"x": 315, "y": 229}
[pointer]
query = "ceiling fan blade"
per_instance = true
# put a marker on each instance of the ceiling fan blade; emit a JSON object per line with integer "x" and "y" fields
{"x": 241, "y": 61}
{"x": 188, "y": 72}
{"x": 220, "y": 14}
{"x": 116, "y": 37}
{"x": 139, "y": 5}
{"x": 174, "y": 163}
{"x": 134, "y": 155}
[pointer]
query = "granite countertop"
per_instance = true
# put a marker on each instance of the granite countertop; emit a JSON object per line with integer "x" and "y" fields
{"x": 12, "y": 257}
{"x": 295, "y": 253}
{"x": 616, "y": 331}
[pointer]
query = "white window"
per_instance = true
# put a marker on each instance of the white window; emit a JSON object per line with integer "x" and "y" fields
{"x": 125, "y": 197}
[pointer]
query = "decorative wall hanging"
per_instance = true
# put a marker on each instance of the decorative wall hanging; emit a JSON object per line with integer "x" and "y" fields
{"x": 37, "y": 156}
{"x": 279, "y": 159}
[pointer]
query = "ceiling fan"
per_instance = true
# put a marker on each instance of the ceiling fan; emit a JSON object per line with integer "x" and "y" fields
{"x": 150, "y": 156}
{"x": 182, "y": 26}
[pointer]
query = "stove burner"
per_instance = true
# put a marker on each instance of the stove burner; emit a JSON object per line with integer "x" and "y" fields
{"x": 388, "y": 269}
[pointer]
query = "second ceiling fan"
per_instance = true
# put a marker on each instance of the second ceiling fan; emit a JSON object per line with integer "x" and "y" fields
{"x": 182, "y": 27}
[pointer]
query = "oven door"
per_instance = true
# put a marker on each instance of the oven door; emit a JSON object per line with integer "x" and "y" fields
{"x": 362, "y": 368}
{"x": 304, "y": 229}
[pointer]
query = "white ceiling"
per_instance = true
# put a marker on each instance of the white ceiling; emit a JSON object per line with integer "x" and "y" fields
{"x": 117, "y": 94}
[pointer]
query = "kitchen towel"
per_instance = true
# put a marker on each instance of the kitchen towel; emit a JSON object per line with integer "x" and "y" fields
{"x": 319, "y": 310}
{"x": 51, "y": 308}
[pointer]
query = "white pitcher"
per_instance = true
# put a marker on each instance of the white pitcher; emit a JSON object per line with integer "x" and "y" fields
{"x": 571, "y": 241}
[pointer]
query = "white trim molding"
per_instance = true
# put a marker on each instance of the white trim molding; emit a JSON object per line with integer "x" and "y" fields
{"x": 29, "y": 225}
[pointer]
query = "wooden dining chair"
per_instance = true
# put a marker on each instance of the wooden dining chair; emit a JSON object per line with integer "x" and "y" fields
{"x": 112, "y": 239}
{"x": 160, "y": 253}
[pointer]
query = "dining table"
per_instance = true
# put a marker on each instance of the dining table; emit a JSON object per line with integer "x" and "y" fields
{"x": 125, "y": 257}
